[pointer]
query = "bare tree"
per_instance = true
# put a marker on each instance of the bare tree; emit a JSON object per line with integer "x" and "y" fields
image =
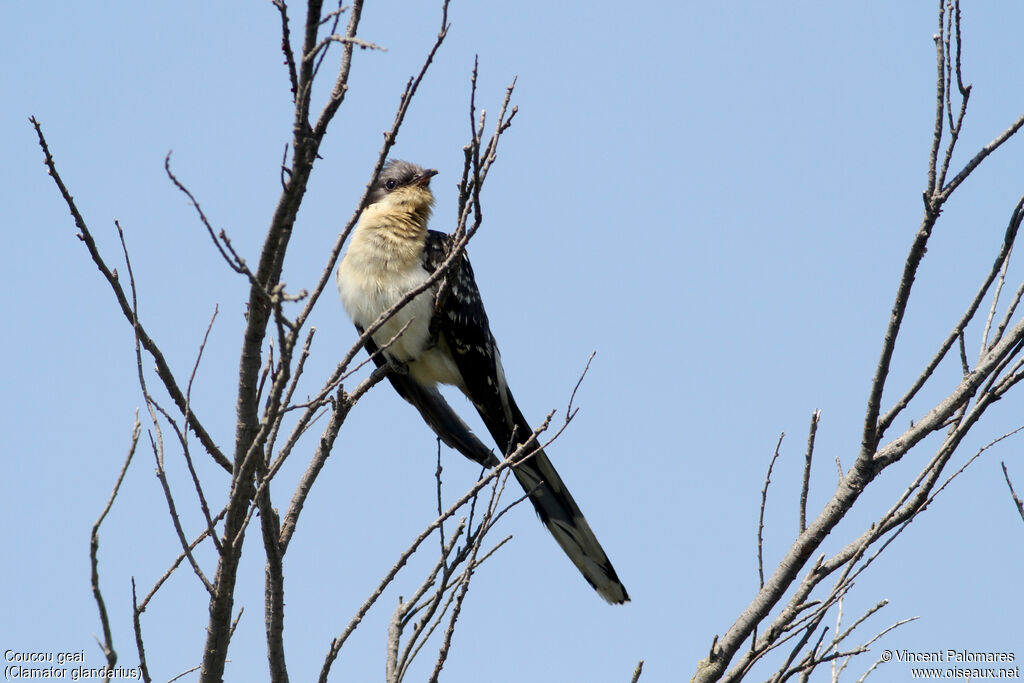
{"x": 277, "y": 341}
{"x": 786, "y": 619}
{"x": 787, "y": 615}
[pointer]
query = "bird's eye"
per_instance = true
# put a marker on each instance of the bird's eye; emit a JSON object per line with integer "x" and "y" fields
{"x": 390, "y": 184}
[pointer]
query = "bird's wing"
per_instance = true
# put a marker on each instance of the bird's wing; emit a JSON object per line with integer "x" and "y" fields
{"x": 436, "y": 412}
{"x": 463, "y": 322}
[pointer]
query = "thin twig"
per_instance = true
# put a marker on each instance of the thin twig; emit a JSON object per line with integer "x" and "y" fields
{"x": 569, "y": 411}
{"x": 335, "y": 17}
{"x": 1009, "y": 238}
{"x": 477, "y": 539}
{"x": 162, "y": 368}
{"x": 184, "y": 673}
{"x": 94, "y": 544}
{"x": 440, "y": 505}
{"x": 157, "y": 443}
{"x": 177, "y": 562}
{"x": 808, "y": 456}
{"x": 184, "y": 436}
{"x": 976, "y": 160}
{"x": 286, "y": 402}
{"x": 343, "y": 40}
{"x": 234, "y": 262}
{"x": 524, "y": 452}
{"x": 139, "y": 645}
{"x": 760, "y": 516}
{"x": 1013, "y": 494}
{"x": 1014, "y": 219}
{"x": 286, "y": 46}
{"x": 953, "y": 29}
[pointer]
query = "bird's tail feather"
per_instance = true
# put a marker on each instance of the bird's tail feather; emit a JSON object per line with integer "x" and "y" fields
{"x": 560, "y": 513}
{"x": 563, "y": 518}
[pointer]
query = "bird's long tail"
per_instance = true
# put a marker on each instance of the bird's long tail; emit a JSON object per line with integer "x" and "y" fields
{"x": 560, "y": 513}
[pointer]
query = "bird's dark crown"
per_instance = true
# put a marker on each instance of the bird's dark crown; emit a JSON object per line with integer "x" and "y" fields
{"x": 395, "y": 174}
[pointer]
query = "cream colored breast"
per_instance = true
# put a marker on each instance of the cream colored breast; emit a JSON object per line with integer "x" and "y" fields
{"x": 369, "y": 286}
{"x": 382, "y": 265}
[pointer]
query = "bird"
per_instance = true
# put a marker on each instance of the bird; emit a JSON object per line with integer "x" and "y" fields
{"x": 448, "y": 340}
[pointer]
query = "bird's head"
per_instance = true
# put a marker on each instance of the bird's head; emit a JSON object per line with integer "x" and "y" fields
{"x": 403, "y": 186}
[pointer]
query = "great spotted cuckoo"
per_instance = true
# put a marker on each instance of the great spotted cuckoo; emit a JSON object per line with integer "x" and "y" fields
{"x": 449, "y": 341}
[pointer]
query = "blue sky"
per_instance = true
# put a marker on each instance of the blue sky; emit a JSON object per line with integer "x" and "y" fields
{"x": 716, "y": 197}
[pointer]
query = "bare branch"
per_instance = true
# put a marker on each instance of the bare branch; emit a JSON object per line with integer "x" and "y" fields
{"x": 934, "y": 198}
{"x": 157, "y": 446}
{"x": 899, "y": 517}
{"x": 397, "y": 665}
{"x": 177, "y": 562}
{"x": 274, "y": 587}
{"x": 286, "y": 45}
{"x": 969, "y": 167}
{"x": 334, "y": 17}
{"x": 286, "y": 402}
{"x": 251, "y": 433}
{"x": 260, "y": 416}
{"x": 850, "y": 487}
{"x": 344, "y": 40}
{"x": 808, "y": 456}
{"x": 139, "y": 646}
{"x": 162, "y": 369}
{"x": 569, "y": 411}
{"x": 940, "y": 97}
{"x": 760, "y": 516}
{"x": 94, "y": 544}
{"x": 234, "y": 261}
{"x": 183, "y": 435}
{"x": 469, "y": 554}
{"x": 157, "y": 443}
{"x": 1015, "y": 221}
{"x": 952, "y": 33}
{"x": 184, "y": 673}
{"x": 440, "y": 504}
{"x": 442, "y": 654}
{"x": 1013, "y": 494}
{"x": 522, "y": 453}
{"x": 340, "y": 412}
{"x": 1009, "y": 238}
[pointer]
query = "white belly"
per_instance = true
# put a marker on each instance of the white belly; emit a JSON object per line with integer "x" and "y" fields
{"x": 367, "y": 290}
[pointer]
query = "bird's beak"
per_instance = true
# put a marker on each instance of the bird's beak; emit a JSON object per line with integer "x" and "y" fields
{"x": 424, "y": 178}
